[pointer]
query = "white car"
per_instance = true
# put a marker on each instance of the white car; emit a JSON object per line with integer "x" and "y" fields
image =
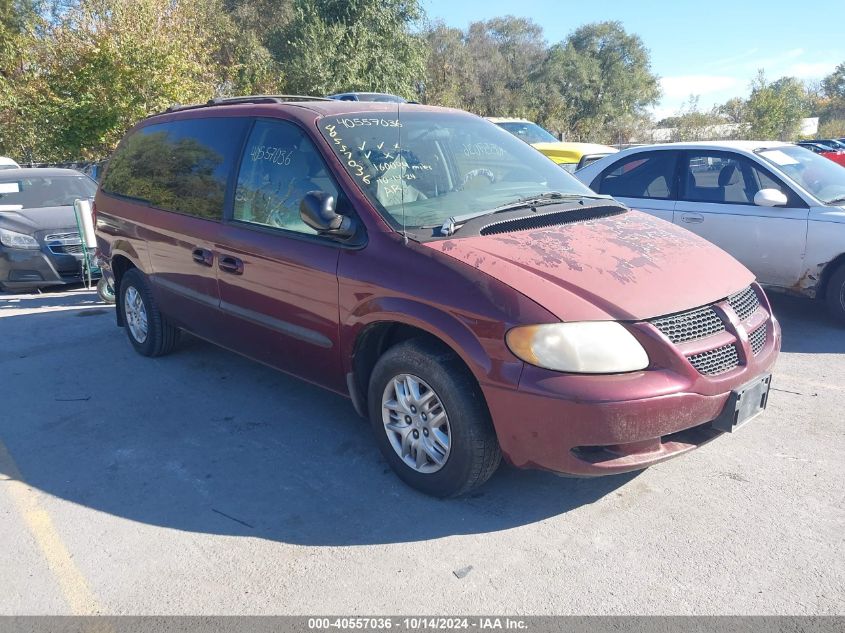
{"x": 776, "y": 207}
{"x": 8, "y": 163}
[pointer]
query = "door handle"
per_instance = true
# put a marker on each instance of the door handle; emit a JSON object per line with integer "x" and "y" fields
{"x": 203, "y": 256}
{"x": 692, "y": 218}
{"x": 230, "y": 264}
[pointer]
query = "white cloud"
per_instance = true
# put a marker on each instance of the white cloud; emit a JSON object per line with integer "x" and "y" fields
{"x": 809, "y": 70}
{"x": 682, "y": 86}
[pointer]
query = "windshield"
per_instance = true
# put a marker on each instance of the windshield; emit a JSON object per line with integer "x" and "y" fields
{"x": 43, "y": 191}
{"x": 431, "y": 166}
{"x": 815, "y": 173}
{"x": 528, "y": 132}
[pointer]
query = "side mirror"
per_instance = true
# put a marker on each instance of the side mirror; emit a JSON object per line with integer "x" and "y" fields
{"x": 770, "y": 198}
{"x": 317, "y": 210}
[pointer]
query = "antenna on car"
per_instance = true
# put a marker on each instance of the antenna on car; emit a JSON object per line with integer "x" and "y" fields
{"x": 401, "y": 170}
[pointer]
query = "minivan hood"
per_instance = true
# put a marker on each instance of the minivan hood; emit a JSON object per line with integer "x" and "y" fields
{"x": 30, "y": 221}
{"x": 626, "y": 267}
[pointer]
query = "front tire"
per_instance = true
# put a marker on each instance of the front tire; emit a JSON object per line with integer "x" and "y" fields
{"x": 430, "y": 419}
{"x": 148, "y": 330}
{"x": 835, "y": 294}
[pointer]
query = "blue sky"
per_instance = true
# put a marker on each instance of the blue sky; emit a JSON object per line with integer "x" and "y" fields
{"x": 711, "y": 49}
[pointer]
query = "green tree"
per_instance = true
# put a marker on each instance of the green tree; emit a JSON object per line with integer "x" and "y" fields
{"x": 834, "y": 84}
{"x": 774, "y": 110}
{"x": 341, "y": 45}
{"x": 98, "y": 66}
{"x": 598, "y": 84}
{"x": 693, "y": 124}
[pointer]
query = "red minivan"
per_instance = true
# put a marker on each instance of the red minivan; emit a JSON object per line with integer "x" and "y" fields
{"x": 471, "y": 298}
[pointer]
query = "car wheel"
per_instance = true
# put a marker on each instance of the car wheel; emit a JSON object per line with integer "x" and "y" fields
{"x": 835, "y": 294}
{"x": 148, "y": 330}
{"x": 105, "y": 291}
{"x": 431, "y": 421}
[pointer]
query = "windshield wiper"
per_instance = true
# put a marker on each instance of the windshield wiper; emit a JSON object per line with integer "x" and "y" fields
{"x": 836, "y": 200}
{"x": 454, "y": 223}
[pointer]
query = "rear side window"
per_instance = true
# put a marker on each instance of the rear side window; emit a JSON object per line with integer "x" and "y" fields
{"x": 643, "y": 175}
{"x": 181, "y": 166}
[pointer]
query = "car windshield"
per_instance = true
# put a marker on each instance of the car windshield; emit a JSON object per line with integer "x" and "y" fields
{"x": 422, "y": 168}
{"x": 815, "y": 173}
{"x": 36, "y": 192}
{"x": 528, "y": 132}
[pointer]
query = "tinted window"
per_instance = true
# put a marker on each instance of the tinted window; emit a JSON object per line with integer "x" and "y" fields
{"x": 725, "y": 178}
{"x": 44, "y": 191}
{"x": 279, "y": 166}
{"x": 643, "y": 175}
{"x": 180, "y": 166}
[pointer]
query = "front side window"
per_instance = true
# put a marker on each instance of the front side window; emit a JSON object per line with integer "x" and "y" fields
{"x": 180, "y": 166}
{"x": 641, "y": 175}
{"x": 817, "y": 174}
{"x": 44, "y": 191}
{"x": 279, "y": 166}
{"x": 421, "y": 168}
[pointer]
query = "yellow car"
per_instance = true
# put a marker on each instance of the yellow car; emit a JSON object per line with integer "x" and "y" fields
{"x": 570, "y": 156}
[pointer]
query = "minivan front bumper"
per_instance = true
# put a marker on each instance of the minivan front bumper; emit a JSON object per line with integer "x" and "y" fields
{"x": 586, "y": 425}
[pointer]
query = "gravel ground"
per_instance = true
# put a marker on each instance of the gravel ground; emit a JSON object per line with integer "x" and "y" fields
{"x": 203, "y": 483}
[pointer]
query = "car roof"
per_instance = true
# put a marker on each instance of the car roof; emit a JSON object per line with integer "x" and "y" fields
{"x": 747, "y": 146}
{"x": 498, "y": 119}
{"x": 5, "y": 160}
{"x": 40, "y": 172}
{"x": 300, "y": 109}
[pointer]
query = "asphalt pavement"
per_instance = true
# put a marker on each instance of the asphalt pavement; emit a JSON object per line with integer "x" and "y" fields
{"x": 204, "y": 483}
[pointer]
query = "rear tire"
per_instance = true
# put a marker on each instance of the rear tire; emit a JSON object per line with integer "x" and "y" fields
{"x": 459, "y": 452}
{"x": 835, "y": 294}
{"x": 148, "y": 330}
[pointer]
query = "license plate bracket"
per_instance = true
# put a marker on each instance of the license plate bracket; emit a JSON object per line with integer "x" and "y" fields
{"x": 744, "y": 404}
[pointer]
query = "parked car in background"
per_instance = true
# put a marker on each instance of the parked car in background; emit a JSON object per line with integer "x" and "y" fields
{"x": 94, "y": 170}
{"x": 824, "y": 149}
{"x": 468, "y": 296}
{"x": 570, "y": 156}
{"x": 832, "y": 142}
{"x": 368, "y": 96}
{"x": 777, "y": 208}
{"x": 8, "y": 163}
{"x": 40, "y": 243}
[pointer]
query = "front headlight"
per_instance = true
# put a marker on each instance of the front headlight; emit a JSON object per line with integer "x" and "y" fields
{"x": 587, "y": 347}
{"x": 17, "y": 240}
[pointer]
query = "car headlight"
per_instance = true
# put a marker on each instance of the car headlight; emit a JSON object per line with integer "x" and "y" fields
{"x": 17, "y": 240}
{"x": 586, "y": 347}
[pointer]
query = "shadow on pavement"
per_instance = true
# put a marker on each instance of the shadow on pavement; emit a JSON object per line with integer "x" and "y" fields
{"x": 808, "y": 328}
{"x": 206, "y": 441}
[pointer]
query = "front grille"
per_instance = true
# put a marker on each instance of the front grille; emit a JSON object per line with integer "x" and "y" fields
{"x": 690, "y": 326}
{"x": 64, "y": 243}
{"x": 758, "y": 338}
{"x": 744, "y": 303}
{"x": 716, "y": 361}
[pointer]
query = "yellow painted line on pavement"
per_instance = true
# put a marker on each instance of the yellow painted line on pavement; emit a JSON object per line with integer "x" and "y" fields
{"x": 71, "y": 582}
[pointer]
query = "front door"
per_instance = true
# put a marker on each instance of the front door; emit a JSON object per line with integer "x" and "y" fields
{"x": 277, "y": 278}
{"x": 717, "y": 202}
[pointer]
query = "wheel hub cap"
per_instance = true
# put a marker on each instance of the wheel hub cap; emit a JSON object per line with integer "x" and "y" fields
{"x": 136, "y": 314}
{"x": 416, "y": 423}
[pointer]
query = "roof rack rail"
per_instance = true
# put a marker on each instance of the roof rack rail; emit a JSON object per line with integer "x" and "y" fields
{"x": 176, "y": 107}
